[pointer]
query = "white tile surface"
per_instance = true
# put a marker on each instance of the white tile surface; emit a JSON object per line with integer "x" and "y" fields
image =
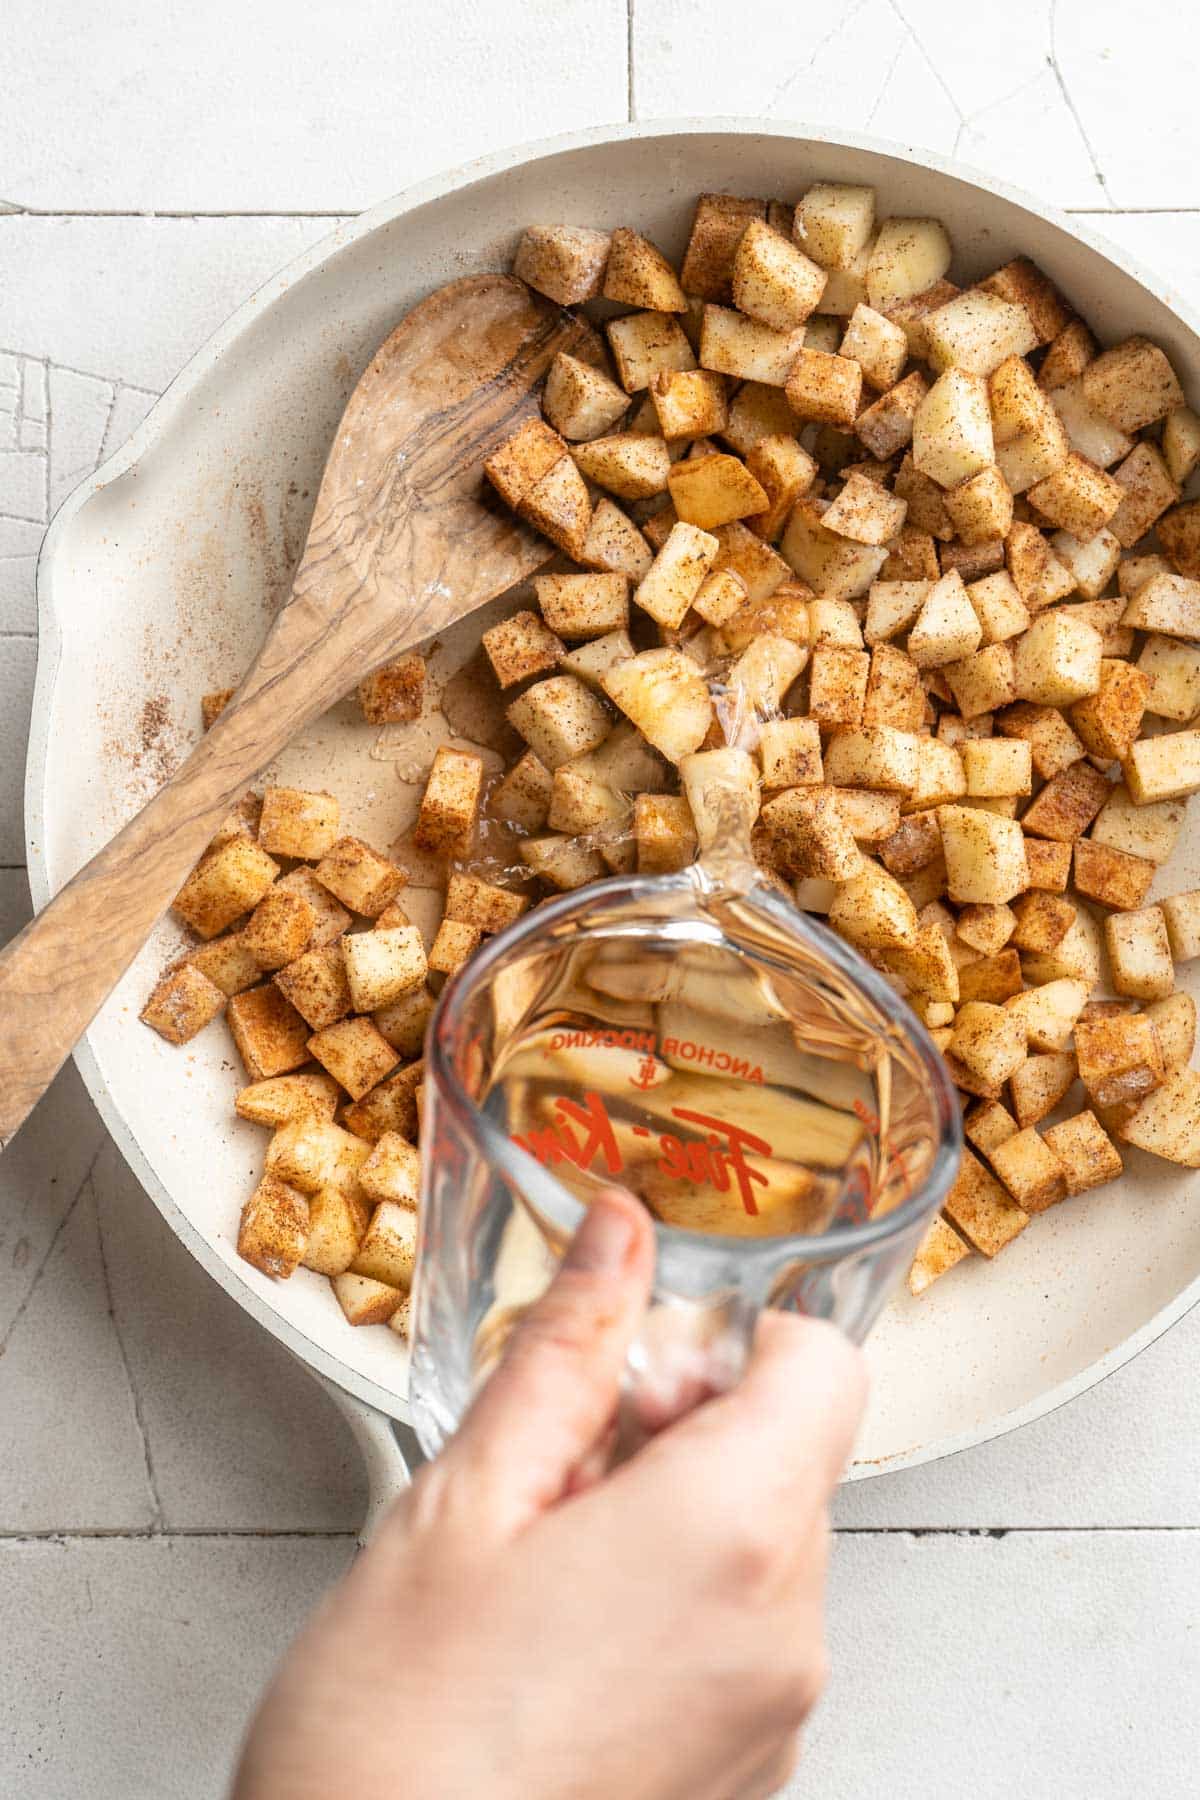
{"x": 18, "y": 657}
{"x": 132, "y": 1666}
{"x": 134, "y": 1397}
{"x": 1051, "y": 94}
{"x": 961, "y": 1665}
{"x": 1058, "y": 1665}
{"x": 133, "y": 1392}
{"x": 83, "y": 357}
{"x": 238, "y": 1433}
{"x": 229, "y": 107}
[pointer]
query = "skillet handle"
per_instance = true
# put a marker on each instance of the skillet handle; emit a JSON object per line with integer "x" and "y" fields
{"x": 389, "y": 1449}
{"x": 56, "y": 974}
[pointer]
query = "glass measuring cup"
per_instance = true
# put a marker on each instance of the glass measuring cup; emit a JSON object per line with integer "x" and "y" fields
{"x": 700, "y": 1041}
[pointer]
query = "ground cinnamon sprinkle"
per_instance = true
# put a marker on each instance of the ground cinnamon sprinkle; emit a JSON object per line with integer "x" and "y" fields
{"x": 154, "y": 753}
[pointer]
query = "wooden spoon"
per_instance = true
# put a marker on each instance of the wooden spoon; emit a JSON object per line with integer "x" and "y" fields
{"x": 405, "y": 539}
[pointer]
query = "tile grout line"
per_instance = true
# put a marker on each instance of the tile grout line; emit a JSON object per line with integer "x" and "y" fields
{"x": 353, "y": 211}
{"x": 1068, "y": 101}
{"x": 203, "y": 1533}
{"x": 135, "y": 1396}
{"x": 199, "y": 1533}
{"x": 630, "y": 83}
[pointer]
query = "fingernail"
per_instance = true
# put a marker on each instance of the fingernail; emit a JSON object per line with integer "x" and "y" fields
{"x": 603, "y": 1241}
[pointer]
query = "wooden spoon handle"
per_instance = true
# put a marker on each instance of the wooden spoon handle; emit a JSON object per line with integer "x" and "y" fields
{"x": 57, "y": 973}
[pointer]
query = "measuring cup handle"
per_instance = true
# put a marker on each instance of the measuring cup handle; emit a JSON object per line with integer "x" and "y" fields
{"x": 687, "y": 1351}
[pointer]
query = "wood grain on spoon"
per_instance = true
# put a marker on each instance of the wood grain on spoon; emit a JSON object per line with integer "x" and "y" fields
{"x": 404, "y": 540}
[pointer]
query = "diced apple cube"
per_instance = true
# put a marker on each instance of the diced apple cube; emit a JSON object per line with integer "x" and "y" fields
{"x": 878, "y": 346}
{"x": 1040, "y": 1084}
{"x": 183, "y": 1002}
{"x": 785, "y": 471}
{"x": 359, "y": 877}
{"x": 521, "y": 646}
{"x": 1182, "y": 915}
{"x": 1023, "y": 284}
{"x": 979, "y": 1207}
{"x": 1132, "y": 385}
{"x": 713, "y": 490}
{"x": 720, "y": 220}
{"x": 270, "y": 1035}
{"x": 450, "y": 803}
{"x": 665, "y": 833}
{"x": 937, "y": 1253}
{"x": 1084, "y": 1152}
{"x": 1174, "y": 1020}
{"x": 1120, "y": 1058}
{"x": 872, "y": 911}
{"x": 1179, "y": 535}
{"x": 947, "y": 628}
{"x": 892, "y": 608}
{"x": 355, "y": 1053}
{"x": 835, "y": 567}
{"x": 977, "y": 331}
{"x": 1111, "y": 876}
{"x": 985, "y": 855}
{"x": 690, "y": 403}
{"x": 279, "y": 929}
{"x": 1163, "y": 768}
{"x": 834, "y": 223}
{"x": 228, "y": 881}
{"x": 824, "y": 387}
{"x": 628, "y": 464}
{"x": 566, "y": 262}
{"x": 1149, "y": 491}
{"x": 580, "y": 401}
{"x": 645, "y": 344}
{"x": 1181, "y": 443}
{"x": 908, "y": 256}
{"x": 864, "y": 512}
{"x": 1139, "y": 953}
{"x": 559, "y": 719}
{"x": 1069, "y": 354}
{"x": 996, "y": 766}
{"x": 732, "y": 344}
{"x": 887, "y": 424}
{"x": 952, "y": 430}
{"x": 773, "y": 280}
{"x": 274, "y": 1228}
{"x": 638, "y": 274}
{"x": 1030, "y": 1171}
{"x": 1109, "y": 720}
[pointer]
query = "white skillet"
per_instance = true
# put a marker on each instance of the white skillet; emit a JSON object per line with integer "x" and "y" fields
{"x": 155, "y": 583}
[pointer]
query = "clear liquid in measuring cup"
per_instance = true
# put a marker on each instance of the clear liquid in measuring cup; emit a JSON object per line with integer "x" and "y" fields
{"x": 698, "y": 1051}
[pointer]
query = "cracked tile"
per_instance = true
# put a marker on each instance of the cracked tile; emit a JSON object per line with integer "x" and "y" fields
{"x": 327, "y": 118}
{"x": 141, "y": 1660}
{"x": 911, "y": 70}
{"x": 73, "y": 1449}
{"x": 80, "y": 409}
{"x": 79, "y": 378}
{"x": 240, "y": 1434}
{"x": 1130, "y": 80}
{"x": 17, "y": 659}
{"x": 44, "y": 1167}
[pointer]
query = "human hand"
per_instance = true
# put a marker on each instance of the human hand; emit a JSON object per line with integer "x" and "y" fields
{"x": 526, "y": 1627}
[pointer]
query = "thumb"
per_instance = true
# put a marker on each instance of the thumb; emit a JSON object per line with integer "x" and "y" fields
{"x": 555, "y": 1390}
